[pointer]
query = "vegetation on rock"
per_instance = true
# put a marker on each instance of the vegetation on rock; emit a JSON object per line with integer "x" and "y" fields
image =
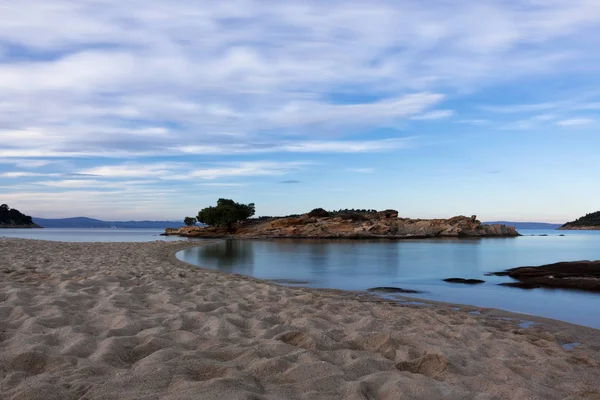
{"x": 226, "y": 213}
{"x": 591, "y": 219}
{"x": 12, "y": 216}
{"x": 318, "y": 213}
{"x": 189, "y": 221}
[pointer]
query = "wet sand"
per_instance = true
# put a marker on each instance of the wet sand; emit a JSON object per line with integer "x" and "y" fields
{"x": 130, "y": 321}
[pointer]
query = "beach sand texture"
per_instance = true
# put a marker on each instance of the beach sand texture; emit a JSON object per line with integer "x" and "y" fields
{"x": 129, "y": 321}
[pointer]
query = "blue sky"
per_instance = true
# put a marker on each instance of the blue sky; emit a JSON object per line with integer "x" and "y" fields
{"x": 153, "y": 110}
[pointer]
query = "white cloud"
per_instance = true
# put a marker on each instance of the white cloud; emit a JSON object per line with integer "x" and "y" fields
{"x": 247, "y": 169}
{"x": 575, "y": 122}
{"x": 361, "y": 170}
{"x": 147, "y": 173}
{"x": 189, "y": 73}
{"x": 438, "y": 114}
{"x": 23, "y": 174}
{"x": 316, "y": 146}
{"x": 33, "y": 163}
{"x": 132, "y": 170}
{"x": 84, "y": 80}
{"x": 90, "y": 183}
{"x": 473, "y": 121}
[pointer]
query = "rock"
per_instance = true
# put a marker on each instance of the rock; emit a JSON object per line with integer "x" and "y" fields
{"x": 387, "y": 214}
{"x": 389, "y": 289}
{"x": 584, "y": 275}
{"x": 522, "y": 285}
{"x": 351, "y": 225}
{"x": 464, "y": 281}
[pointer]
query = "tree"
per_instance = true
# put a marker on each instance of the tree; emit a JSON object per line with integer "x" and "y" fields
{"x": 226, "y": 213}
{"x": 189, "y": 221}
{"x": 318, "y": 213}
{"x": 12, "y": 216}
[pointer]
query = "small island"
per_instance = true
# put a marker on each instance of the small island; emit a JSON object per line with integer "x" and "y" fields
{"x": 13, "y": 218}
{"x": 589, "y": 222}
{"x": 231, "y": 219}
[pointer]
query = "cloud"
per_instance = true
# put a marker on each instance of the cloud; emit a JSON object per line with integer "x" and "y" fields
{"x": 22, "y": 174}
{"x": 473, "y": 121}
{"x": 28, "y": 163}
{"x": 361, "y": 170}
{"x": 90, "y": 183}
{"x": 132, "y": 170}
{"x": 290, "y": 182}
{"x": 247, "y": 169}
{"x": 185, "y": 171}
{"x": 223, "y": 184}
{"x": 438, "y": 114}
{"x": 530, "y": 123}
{"x": 575, "y": 122}
{"x": 83, "y": 83}
{"x": 316, "y": 146}
{"x": 90, "y": 91}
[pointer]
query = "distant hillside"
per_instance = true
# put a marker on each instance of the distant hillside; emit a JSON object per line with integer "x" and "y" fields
{"x": 588, "y": 222}
{"x": 84, "y": 222}
{"x": 526, "y": 225}
{"x": 13, "y": 218}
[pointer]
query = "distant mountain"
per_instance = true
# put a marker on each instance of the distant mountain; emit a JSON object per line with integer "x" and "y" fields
{"x": 527, "y": 225}
{"x": 84, "y": 222}
{"x": 587, "y": 222}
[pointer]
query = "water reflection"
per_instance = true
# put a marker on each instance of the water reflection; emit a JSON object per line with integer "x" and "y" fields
{"x": 231, "y": 256}
{"x": 418, "y": 265}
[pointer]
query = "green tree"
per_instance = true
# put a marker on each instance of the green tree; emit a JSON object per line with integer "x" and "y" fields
{"x": 226, "y": 213}
{"x": 189, "y": 221}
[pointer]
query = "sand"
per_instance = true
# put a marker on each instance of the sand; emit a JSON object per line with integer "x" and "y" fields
{"x": 129, "y": 321}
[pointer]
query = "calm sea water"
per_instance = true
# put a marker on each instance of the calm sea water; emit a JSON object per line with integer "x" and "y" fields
{"x": 413, "y": 264}
{"x": 88, "y": 235}
{"x": 420, "y": 265}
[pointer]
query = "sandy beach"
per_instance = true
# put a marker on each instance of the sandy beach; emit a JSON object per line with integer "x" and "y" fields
{"x": 130, "y": 321}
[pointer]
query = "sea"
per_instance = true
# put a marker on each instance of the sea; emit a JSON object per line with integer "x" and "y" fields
{"x": 419, "y": 265}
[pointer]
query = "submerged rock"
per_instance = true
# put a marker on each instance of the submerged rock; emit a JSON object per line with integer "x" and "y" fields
{"x": 521, "y": 285}
{"x": 464, "y": 281}
{"x": 389, "y": 289}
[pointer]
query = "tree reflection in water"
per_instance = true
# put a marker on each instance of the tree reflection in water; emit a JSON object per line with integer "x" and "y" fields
{"x": 234, "y": 256}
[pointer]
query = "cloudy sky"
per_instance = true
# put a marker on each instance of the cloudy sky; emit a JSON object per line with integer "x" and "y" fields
{"x": 148, "y": 109}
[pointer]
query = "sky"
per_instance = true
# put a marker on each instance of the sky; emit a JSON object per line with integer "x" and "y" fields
{"x": 147, "y": 109}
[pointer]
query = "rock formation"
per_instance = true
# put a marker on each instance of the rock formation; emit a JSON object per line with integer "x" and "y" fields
{"x": 583, "y": 275}
{"x": 354, "y": 225}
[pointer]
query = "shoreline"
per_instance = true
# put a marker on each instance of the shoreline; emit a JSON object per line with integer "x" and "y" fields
{"x": 378, "y": 298}
{"x": 351, "y": 238}
{"x": 130, "y": 320}
{"x": 578, "y": 228}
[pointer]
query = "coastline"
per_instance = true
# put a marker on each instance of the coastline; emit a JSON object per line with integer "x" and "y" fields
{"x": 394, "y": 298}
{"x": 357, "y": 225}
{"x": 34, "y": 226}
{"x": 578, "y": 228}
{"x": 231, "y": 336}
